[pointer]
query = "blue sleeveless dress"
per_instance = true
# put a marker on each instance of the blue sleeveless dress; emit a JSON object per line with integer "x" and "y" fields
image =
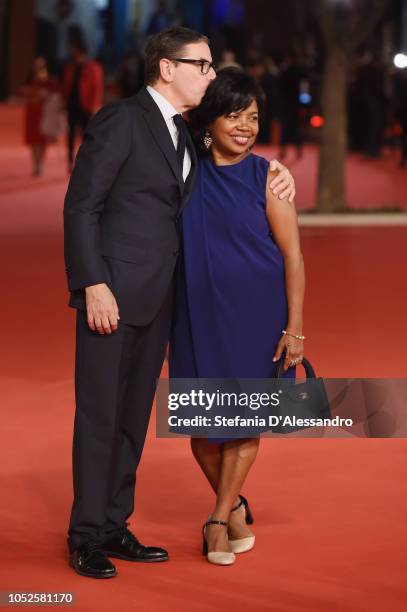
{"x": 231, "y": 302}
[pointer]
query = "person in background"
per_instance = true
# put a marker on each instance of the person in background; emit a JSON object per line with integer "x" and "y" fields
{"x": 83, "y": 91}
{"x": 160, "y": 19}
{"x": 36, "y": 91}
{"x": 400, "y": 89}
{"x": 227, "y": 60}
{"x": 131, "y": 75}
{"x": 257, "y": 69}
{"x": 271, "y": 88}
{"x": 370, "y": 82}
{"x": 290, "y": 81}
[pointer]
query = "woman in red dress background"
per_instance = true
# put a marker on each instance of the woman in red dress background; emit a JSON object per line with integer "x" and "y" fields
{"x": 38, "y": 88}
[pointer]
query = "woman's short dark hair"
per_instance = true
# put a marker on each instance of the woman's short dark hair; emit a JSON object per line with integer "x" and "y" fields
{"x": 169, "y": 43}
{"x": 232, "y": 90}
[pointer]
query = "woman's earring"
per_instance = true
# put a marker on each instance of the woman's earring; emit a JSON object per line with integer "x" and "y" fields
{"x": 207, "y": 139}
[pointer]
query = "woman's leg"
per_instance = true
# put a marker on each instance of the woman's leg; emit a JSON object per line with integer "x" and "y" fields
{"x": 237, "y": 458}
{"x": 37, "y": 159}
{"x": 209, "y": 457}
{"x": 41, "y": 154}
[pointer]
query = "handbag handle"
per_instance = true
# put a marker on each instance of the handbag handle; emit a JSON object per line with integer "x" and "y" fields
{"x": 309, "y": 370}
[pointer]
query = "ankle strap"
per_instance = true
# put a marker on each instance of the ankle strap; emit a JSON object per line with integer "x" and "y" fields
{"x": 213, "y": 522}
{"x": 238, "y": 505}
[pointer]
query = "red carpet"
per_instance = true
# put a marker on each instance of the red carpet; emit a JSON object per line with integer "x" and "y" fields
{"x": 329, "y": 514}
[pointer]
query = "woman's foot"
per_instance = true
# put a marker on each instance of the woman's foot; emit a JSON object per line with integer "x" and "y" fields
{"x": 241, "y": 538}
{"x": 216, "y": 545}
{"x": 216, "y": 537}
{"x": 238, "y": 527}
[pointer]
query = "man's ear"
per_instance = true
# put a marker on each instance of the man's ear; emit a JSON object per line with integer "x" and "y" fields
{"x": 167, "y": 70}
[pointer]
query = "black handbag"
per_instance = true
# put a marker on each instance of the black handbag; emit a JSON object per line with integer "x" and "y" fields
{"x": 301, "y": 403}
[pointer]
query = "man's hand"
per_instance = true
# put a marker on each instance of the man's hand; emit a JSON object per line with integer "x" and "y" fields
{"x": 283, "y": 184}
{"x": 102, "y": 309}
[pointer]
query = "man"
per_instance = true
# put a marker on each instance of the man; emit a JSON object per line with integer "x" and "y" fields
{"x": 83, "y": 91}
{"x": 130, "y": 183}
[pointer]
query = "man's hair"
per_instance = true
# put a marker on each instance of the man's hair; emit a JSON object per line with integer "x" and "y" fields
{"x": 169, "y": 44}
{"x": 76, "y": 39}
{"x": 79, "y": 45}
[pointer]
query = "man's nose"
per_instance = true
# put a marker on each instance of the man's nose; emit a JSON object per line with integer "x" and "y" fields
{"x": 211, "y": 74}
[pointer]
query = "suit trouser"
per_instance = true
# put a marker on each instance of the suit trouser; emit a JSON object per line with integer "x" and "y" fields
{"x": 76, "y": 118}
{"x": 115, "y": 381}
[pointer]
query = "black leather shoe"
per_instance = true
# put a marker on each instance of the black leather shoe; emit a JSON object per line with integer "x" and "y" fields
{"x": 124, "y": 545}
{"x": 90, "y": 560}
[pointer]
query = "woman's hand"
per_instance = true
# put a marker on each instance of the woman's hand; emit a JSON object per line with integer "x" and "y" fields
{"x": 294, "y": 351}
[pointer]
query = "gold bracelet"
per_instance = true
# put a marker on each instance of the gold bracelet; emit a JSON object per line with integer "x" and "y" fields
{"x": 286, "y": 333}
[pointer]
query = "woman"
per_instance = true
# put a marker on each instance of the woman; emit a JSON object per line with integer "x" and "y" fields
{"x": 37, "y": 91}
{"x": 242, "y": 284}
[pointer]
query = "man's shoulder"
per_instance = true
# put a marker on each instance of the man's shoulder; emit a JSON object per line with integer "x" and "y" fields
{"x": 123, "y": 107}
{"x": 118, "y": 119}
{"x": 133, "y": 104}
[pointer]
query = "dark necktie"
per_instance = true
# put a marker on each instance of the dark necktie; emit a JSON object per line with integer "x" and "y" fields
{"x": 182, "y": 138}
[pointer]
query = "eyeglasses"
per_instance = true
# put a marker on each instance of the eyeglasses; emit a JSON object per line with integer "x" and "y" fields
{"x": 204, "y": 64}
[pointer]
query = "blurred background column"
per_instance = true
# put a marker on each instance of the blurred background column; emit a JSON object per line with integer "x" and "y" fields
{"x": 403, "y": 28}
{"x": 120, "y": 10}
{"x": 3, "y": 48}
{"x": 20, "y": 41}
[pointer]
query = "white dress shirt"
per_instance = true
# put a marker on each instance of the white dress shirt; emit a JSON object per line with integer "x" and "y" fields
{"x": 168, "y": 112}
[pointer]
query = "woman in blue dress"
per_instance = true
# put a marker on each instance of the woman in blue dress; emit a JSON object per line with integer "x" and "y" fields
{"x": 241, "y": 285}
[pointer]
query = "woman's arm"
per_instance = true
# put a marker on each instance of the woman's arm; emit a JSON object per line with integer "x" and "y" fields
{"x": 282, "y": 218}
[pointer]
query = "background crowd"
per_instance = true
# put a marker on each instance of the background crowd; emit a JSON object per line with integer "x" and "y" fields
{"x": 75, "y": 71}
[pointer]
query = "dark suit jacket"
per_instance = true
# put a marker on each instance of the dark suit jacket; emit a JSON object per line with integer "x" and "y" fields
{"x": 122, "y": 208}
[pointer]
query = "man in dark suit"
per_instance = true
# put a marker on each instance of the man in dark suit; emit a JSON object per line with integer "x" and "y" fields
{"x": 132, "y": 178}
